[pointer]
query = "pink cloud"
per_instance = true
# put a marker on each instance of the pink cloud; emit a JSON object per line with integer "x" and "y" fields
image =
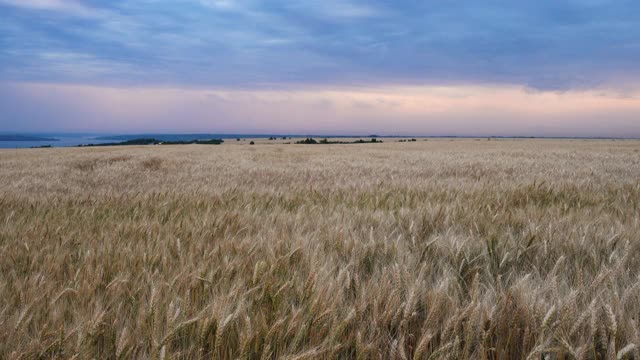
{"x": 428, "y": 110}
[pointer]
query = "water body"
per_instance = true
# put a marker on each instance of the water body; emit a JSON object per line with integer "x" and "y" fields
{"x": 62, "y": 141}
{"x": 70, "y": 140}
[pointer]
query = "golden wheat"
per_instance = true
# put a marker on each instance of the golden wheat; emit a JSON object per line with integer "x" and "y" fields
{"x": 477, "y": 249}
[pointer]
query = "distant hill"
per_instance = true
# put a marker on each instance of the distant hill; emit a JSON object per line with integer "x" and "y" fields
{"x": 162, "y": 137}
{"x": 152, "y": 141}
{"x": 6, "y": 137}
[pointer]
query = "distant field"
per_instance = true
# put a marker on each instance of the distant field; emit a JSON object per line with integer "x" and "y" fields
{"x": 461, "y": 249}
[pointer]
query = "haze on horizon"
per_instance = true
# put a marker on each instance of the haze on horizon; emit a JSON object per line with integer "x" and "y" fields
{"x": 545, "y": 68}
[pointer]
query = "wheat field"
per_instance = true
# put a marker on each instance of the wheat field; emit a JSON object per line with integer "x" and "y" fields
{"x": 460, "y": 249}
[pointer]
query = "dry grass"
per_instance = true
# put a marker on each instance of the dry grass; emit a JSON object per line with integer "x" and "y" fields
{"x": 432, "y": 249}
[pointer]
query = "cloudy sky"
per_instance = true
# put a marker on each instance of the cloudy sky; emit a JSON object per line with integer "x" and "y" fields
{"x": 433, "y": 67}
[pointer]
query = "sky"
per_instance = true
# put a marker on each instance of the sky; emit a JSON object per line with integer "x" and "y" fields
{"x": 390, "y": 67}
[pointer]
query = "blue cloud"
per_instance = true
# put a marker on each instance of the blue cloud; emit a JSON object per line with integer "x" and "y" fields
{"x": 546, "y": 44}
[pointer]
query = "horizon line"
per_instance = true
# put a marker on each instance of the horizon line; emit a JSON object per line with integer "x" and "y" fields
{"x": 261, "y": 135}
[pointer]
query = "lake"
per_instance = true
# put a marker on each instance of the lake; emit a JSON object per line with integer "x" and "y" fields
{"x": 64, "y": 141}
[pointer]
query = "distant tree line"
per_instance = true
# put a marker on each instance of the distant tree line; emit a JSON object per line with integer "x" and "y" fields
{"x": 312, "y": 141}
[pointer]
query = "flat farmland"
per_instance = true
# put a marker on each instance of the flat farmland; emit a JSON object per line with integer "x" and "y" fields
{"x": 474, "y": 249}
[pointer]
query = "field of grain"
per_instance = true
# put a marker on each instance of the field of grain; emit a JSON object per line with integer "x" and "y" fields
{"x": 502, "y": 249}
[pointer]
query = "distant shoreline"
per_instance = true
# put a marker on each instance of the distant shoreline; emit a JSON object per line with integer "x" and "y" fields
{"x": 11, "y": 140}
